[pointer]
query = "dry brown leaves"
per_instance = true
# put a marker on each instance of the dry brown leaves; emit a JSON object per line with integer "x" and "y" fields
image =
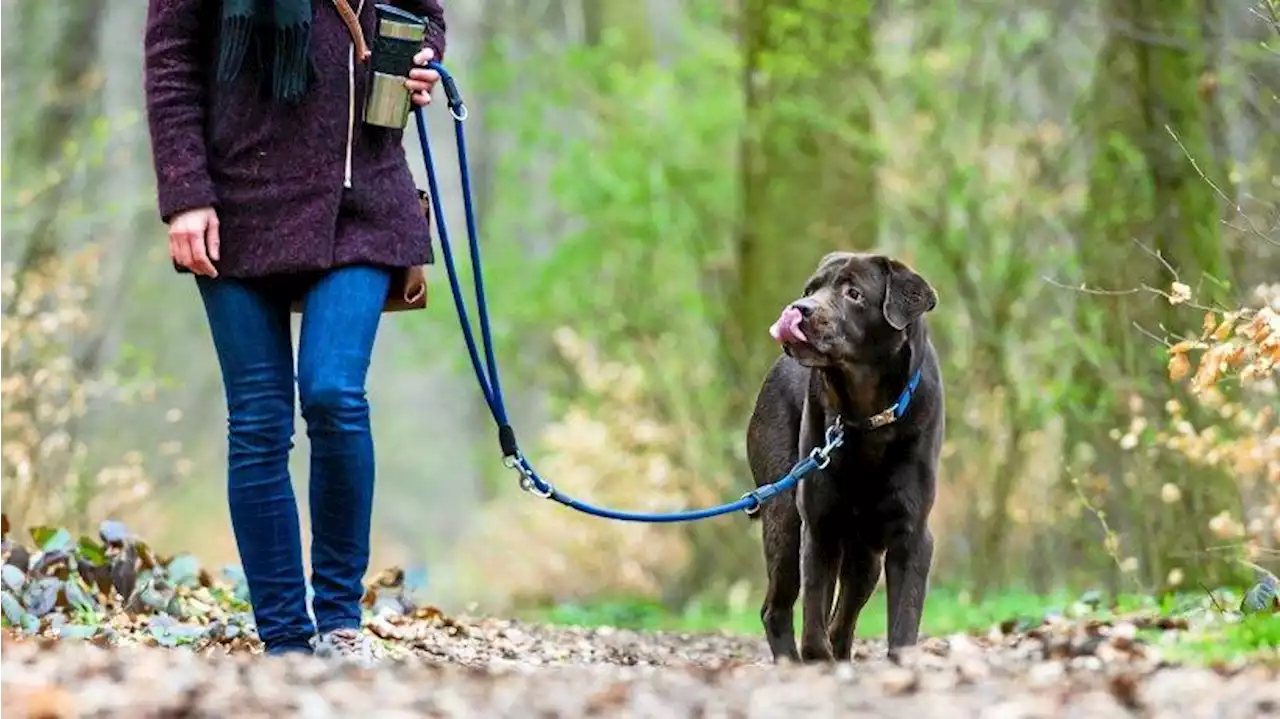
{"x": 495, "y": 668}
{"x": 1243, "y": 345}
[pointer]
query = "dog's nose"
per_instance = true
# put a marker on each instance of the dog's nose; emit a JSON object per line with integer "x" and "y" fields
{"x": 805, "y": 306}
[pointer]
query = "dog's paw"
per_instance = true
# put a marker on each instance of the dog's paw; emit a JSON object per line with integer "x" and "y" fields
{"x": 817, "y": 652}
{"x": 786, "y": 660}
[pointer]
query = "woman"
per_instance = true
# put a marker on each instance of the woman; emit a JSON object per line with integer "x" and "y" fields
{"x": 277, "y": 195}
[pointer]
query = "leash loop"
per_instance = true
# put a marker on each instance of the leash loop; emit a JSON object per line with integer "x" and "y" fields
{"x": 456, "y": 107}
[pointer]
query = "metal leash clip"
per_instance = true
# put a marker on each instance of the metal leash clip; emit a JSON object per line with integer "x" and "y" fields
{"x": 527, "y": 481}
{"x": 834, "y": 438}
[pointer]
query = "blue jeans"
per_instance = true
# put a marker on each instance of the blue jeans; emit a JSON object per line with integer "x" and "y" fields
{"x": 250, "y": 323}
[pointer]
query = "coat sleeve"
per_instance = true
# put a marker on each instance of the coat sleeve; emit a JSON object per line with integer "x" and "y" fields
{"x": 433, "y": 11}
{"x": 174, "y": 84}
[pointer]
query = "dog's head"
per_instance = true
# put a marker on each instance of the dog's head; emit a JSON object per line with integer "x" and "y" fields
{"x": 856, "y": 308}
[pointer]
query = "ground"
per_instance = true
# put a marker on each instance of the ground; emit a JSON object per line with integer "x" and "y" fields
{"x": 103, "y": 626}
{"x": 497, "y": 668}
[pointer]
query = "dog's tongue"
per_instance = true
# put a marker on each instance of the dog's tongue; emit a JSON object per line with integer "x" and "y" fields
{"x": 787, "y": 329}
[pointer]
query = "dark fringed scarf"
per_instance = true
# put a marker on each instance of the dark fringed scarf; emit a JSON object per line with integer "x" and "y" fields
{"x": 281, "y": 31}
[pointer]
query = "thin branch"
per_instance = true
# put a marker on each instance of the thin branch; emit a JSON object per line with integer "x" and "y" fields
{"x": 1221, "y": 609}
{"x": 1272, "y": 17}
{"x": 1253, "y": 229}
{"x": 1143, "y": 330}
{"x": 1101, "y": 292}
{"x": 1159, "y": 257}
{"x": 1086, "y": 290}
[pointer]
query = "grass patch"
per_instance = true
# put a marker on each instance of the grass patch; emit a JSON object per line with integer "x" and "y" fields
{"x": 1251, "y": 638}
{"x": 1215, "y": 632}
{"x": 946, "y": 612}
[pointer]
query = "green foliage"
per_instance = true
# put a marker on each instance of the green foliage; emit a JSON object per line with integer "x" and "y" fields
{"x": 947, "y": 611}
{"x": 1193, "y": 628}
{"x": 663, "y": 205}
{"x": 636, "y": 159}
{"x": 618, "y": 203}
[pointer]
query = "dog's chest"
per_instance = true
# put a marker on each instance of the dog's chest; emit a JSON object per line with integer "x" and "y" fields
{"x": 868, "y": 487}
{"x": 865, "y": 453}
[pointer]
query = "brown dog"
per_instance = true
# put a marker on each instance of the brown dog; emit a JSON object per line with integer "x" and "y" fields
{"x": 853, "y": 343}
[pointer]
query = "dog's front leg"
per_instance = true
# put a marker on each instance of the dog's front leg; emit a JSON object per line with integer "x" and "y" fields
{"x": 906, "y": 573}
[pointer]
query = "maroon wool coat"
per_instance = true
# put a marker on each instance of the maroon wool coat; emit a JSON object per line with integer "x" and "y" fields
{"x": 297, "y": 188}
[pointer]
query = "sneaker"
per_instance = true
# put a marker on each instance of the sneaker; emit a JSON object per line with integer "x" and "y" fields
{"x": 348, "y": 645}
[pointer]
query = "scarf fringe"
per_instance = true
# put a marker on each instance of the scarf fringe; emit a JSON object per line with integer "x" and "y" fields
{"x": 236, "y": 34}
{"x": 290, "y": 73}
{"x": 278, "y": 34}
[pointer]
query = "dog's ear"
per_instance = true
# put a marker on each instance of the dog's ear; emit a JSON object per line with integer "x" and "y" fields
{"x": 907, "y": 295}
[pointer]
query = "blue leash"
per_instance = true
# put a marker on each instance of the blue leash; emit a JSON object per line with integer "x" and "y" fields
{"x": 486, "y": 370}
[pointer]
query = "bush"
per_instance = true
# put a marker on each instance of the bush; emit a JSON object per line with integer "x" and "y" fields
{"x": 611, "y": 447}
{"x": 1231, "y": 369}
{"x": 54, "y": 381}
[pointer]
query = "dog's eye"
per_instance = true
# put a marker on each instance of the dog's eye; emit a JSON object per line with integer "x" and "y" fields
{"x": 852, "y": 293}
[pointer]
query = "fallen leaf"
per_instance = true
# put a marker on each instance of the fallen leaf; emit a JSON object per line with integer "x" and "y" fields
{"x": 113, "y": 532}
{"x": 13, "y": 577}
{"x": 12, "y": 609}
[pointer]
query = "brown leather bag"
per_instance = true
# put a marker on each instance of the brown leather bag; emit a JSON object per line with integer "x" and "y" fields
{"x": 409, "y": 285}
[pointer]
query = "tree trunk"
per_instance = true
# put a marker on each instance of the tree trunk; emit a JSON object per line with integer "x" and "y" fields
{"x": 807, "y": 163}
{"x": 807, "y": 184}
{"x": 65, "y": 102}
{"x": 1147, "y": 198}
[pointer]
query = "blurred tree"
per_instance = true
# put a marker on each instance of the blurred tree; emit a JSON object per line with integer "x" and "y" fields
{"x": 600, "y": 16}
{"x": 1152, "y": 220}
{"x": 806, "y": 187}
{"x": 807, "y": 163}
{"x": 50, "y": 87}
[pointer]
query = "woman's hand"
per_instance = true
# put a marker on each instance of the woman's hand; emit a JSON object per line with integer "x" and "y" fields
{"x": 193, "y": 240}
{"x": 421, "y": 79}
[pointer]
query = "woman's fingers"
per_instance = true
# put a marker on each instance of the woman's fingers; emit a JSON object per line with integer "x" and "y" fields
{"x": 180, "y": 249}
{"x": 193, "y": 237}
{"x": 214, "y": 241}
{"x": 422, "y": 78}
{"x": 420, "y": 83}
{"x": 424, "y": 74}
{"x": 200, "y": 263}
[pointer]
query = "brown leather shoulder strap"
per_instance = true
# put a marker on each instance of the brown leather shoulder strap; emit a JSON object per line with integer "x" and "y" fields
{"x": 352, "y": 21}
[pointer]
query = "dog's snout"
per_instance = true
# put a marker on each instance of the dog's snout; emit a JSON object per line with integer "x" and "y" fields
{"x": 805, "y": 306}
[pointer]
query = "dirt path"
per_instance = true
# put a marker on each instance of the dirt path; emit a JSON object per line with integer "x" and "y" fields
{"x": 490, "y": 668}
